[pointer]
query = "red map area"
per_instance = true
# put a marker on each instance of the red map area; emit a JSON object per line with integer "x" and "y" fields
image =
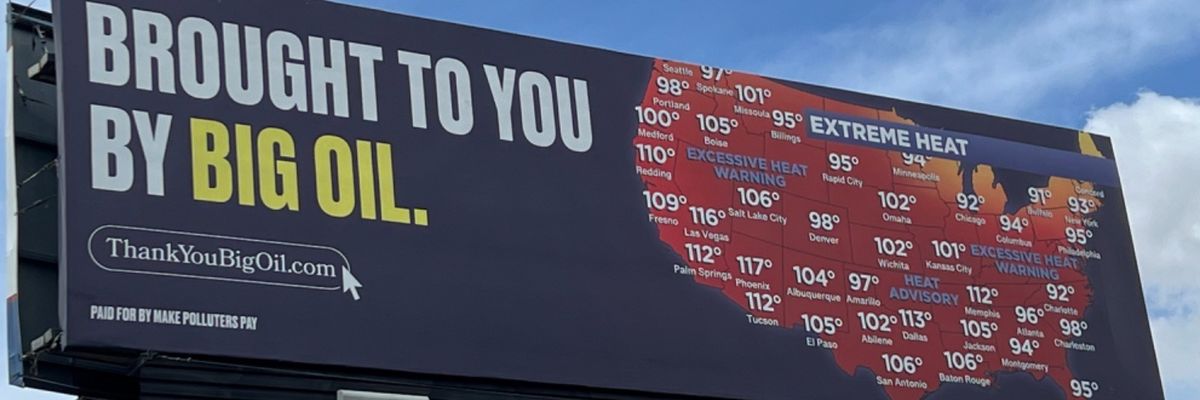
{"x": 885, "y": 258}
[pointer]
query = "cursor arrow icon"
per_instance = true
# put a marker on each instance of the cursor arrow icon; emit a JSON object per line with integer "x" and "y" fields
{"x": 349, "y": 283}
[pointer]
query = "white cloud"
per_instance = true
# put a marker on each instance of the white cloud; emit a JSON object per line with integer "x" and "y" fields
{"x": 1156, "y": 139}
{"x": 996, "y": 57}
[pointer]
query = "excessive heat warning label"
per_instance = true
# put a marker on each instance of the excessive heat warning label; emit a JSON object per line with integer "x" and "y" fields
{"x": 898, "y": 248}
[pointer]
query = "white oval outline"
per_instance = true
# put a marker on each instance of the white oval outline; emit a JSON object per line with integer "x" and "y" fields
{"x": 213, "y": 278}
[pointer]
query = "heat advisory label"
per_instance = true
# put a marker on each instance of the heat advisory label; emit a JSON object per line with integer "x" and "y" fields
{"x": 894, "y": 246}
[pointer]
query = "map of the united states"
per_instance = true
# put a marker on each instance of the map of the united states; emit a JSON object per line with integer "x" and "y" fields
{"x": 918, "y": 268}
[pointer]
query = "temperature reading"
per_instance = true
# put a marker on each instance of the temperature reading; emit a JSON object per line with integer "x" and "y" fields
{"x": 763, "y": 301}
{"x": 1039, "y": 195}
{"x": 910, "y": 159}
{"x": 713, "y": 73}
{"x": 842, "y": 162}
{"x": 896, "y": 201}
{"x": 951, "y": 250}
{"x": 785, "y": 119}
{"x": 656, "y": 117}
{"x": 663, "y": 201}
{"x": 1013, "y": 224}
{"x": 751, "y": 94}
{"x": 962, "y": 361}
{"x": 655, "y": 154}
{"x": 1078, "y": 236}
{"x": 1084, "y": 389}
{"x": 901, "y": 364}
{"x": 893, "y": 247}
{"x": 978, "y": 329}
{"x": 750, "y": 265}
{"x": 1071, "y": 327}
{"x": 1026, "y": 347}
{"x": 811, "y": 277}
{"x": 861, "y": 282}
{"x": 714, "y": 124}
{"x": 876, "y": 322}
{"x": 914, "y": 318}
{"x": 1079, "y": 205}
{"x": 758, "y": 198}
{"x": 823, "y": 221}
{"x": 1029, "y": 315}
{"x": 969, "y": 202}
{"x": 1058, "y": 292}
{"x": 674, "y": 87}
{"x": 702, "y": 253}
{"x": 707, "y": 216}
{"x": 821, "y": 324}
{"x": 982, "y": 294}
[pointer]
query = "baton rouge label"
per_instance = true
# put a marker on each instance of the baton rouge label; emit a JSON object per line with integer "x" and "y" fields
{"x": 878, "y": 238}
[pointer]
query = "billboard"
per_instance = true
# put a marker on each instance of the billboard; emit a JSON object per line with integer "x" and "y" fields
{"x": 332, "y": 185}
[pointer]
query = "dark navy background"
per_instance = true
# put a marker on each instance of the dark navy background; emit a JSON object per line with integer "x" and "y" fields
{"x": 538, "y": 264}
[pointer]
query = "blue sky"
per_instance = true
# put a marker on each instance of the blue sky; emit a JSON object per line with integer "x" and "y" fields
{"x": 1126, "y": 69}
